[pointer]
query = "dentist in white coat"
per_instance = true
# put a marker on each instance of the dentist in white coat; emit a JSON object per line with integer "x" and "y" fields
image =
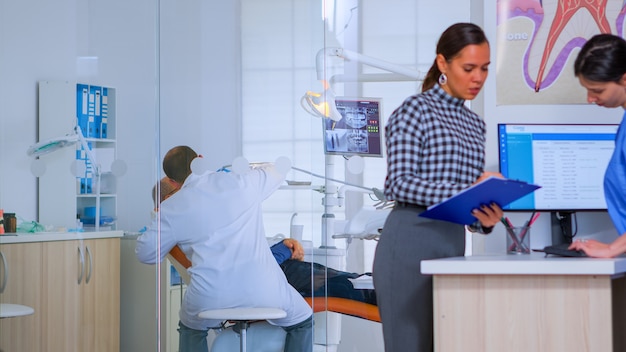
{"x": 216, "y": 220}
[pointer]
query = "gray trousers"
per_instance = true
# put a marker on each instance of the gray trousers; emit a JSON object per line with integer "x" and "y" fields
{"x": 404, "y": 295}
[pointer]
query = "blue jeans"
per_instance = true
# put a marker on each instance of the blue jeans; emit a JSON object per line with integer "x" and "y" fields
{"x": 191, "y": 340}
{"x": 299, "y": 338}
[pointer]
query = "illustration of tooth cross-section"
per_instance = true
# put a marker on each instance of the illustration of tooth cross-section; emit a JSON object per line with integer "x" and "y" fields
{"x": 565, "y": 11}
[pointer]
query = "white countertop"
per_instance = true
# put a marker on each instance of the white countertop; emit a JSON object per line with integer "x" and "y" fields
{"x": 523, "y": 264}
{"x": 56, "y": 236}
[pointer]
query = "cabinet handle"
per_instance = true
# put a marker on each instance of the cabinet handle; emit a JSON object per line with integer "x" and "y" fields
{"x": 90, "y": 265}
{"x": 5, "y": 276}
{"x": 81, "y": 258}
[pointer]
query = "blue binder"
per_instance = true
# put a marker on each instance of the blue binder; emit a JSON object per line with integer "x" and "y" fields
{"x": 458, "y": 208}
{"x": 82, "y": 111}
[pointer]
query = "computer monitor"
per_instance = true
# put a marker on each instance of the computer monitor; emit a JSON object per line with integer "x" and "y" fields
{"x": 359, "y": 130}
{"x": 567, "y": 160}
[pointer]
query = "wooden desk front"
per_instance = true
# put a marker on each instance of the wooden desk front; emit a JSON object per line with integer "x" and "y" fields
{"x": 528, "y": 303}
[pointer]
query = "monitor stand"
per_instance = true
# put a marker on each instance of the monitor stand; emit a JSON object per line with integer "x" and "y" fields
{"x": 561, "y": 225}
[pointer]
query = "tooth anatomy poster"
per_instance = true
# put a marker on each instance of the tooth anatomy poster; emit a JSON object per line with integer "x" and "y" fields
{"x": 537, "y": 43}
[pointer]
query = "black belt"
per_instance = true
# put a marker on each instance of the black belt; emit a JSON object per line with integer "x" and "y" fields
{"x": 409, "y": 205}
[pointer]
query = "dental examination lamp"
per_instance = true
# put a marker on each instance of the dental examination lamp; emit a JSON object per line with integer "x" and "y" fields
{"x": 38, "y": 166}
{"x": 51, "y": 145}
{"x": 323, "y": 104}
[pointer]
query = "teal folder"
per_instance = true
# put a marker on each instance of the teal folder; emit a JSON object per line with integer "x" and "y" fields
{"x": 458, "y": 208}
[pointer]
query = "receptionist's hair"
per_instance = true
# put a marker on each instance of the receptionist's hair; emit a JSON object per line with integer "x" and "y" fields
{"x": 454, "y": 39}
{"x": 602, "y": 59}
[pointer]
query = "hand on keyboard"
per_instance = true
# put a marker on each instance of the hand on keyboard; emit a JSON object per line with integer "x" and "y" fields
{"x": 561, "y": 250}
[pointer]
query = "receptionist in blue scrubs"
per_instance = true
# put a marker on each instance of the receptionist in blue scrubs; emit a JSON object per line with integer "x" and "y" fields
{"x": 601, "y": 69}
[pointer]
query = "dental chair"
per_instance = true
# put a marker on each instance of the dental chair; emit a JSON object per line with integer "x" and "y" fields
{"x": 262, "y": 335}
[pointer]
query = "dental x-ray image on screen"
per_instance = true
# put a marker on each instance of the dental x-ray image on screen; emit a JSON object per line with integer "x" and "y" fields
{"x": 359, "y": 130}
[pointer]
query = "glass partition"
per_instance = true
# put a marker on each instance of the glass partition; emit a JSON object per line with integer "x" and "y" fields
{"x": 81, "y": 77}
{"x": 297, "y": 55}
{"x": 228, "y": 79}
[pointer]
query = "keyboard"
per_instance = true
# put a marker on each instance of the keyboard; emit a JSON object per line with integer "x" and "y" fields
{"x": 562, "y": 251}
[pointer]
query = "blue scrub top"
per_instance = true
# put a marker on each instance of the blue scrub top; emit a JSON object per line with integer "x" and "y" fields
{"x": 615, "y": 181}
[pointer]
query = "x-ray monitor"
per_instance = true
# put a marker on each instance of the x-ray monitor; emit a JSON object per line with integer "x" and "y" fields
{"x": 359, "y": 130}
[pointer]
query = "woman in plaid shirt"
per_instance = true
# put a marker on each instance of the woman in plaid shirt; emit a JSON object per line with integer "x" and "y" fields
{"x": 435, "y": 148}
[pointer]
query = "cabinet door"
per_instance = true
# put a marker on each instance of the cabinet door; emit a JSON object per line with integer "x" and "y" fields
{"x": 63, "y": 275}
{"x": 20, "y": 273}
{"x": 100, "y": 324}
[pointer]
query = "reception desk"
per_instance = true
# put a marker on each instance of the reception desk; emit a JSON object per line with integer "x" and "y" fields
{"x": 528, "y": 303}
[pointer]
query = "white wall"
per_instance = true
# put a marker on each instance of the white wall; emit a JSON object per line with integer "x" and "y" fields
{"x": 41, "y": 40}
{"x": 200, "y": 58}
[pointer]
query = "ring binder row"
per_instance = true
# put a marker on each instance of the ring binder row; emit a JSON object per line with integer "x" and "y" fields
{"x": 92, "y": 109}
{"x": 85, "y": 182}
{"x": 458, "y": 208}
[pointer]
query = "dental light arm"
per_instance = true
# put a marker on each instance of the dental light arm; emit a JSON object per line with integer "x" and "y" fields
{"x": 366, "y": 224}
{"x": 90, "y": 156}
{"x": 54, "y": 144}
{"x": 70, "y": 139}
{"x": 376, "y": 192}
{"x": 323, "y": 104}
{"x": 399, "y": 72}
{"x": 358, "y": 229}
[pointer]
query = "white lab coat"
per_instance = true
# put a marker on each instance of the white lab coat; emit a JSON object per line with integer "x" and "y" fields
{"x": 216, "y": 219}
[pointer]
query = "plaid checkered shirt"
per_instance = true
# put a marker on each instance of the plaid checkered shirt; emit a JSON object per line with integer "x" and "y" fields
{"x": 435, "y": 148}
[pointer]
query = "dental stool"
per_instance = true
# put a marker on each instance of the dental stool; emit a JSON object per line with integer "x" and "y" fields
{"x": 242, "y": 318}
{"x": 8, "y": 310}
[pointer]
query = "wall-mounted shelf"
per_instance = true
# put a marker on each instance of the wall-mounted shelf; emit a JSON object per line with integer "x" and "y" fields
{"x": 62, "y": 195}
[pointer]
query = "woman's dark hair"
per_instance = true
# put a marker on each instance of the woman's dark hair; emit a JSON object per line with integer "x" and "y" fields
{"x": 602, "y": 59}
{"x": 177, "y": 163}
{"x": 452, "y": 41}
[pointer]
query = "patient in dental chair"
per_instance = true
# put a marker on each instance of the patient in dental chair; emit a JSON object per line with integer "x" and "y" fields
{"x": 310, "y": 279}
{"x": 317, "y": 280}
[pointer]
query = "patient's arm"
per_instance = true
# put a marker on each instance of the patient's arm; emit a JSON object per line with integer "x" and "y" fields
{"x": 297, "y": 251}
{"x": 287, "y": 249}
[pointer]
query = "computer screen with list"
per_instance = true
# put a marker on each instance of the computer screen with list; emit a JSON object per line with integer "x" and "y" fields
{"x": 359, "y": 130}
{"x": 568, "y": 161}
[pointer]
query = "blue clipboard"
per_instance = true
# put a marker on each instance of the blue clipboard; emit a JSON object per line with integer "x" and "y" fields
{"x": 458, "y": 208}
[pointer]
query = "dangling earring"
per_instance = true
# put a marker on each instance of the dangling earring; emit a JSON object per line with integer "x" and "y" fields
{"x": 443, "y": 79}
